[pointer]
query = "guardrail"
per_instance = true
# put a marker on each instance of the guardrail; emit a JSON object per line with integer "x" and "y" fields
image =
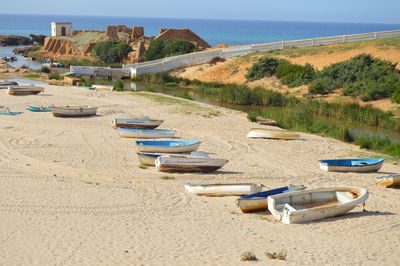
{"x": 197, "y": 58}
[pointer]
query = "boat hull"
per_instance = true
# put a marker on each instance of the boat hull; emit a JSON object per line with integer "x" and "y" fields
{"x": 272, "y": 134}
{"x": 21, "y": 90}
{"x": 388, "y": 181}
{"x": 258, "y": 201}
{"x": 148, "y": 159}
{"x": 315, "y": 204}
{"x": 168, "y": 149}
{"x": 360, "y": 168}
{"x": 145, "y": 134}
{"x": 188, "y": 164}
{"x": 73, "y": 111}
{"x": 136, "y": 123}
{"x": 220, "y": 190}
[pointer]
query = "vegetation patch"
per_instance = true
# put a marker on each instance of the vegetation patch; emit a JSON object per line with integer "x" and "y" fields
{"x": 248, "y": 256}
{"x": 32, "y": 76}
{"x": 160, "y": 49}
{"x": 111, "y": 51}
{"x": 166, "y": 177}
{"x": 281, "y": 255}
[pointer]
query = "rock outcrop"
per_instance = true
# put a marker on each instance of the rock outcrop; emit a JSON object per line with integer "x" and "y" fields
{"x": 12, "y": 40}
{"x": 62, "y": 48}
{"x": 39, "y": 39}
{"x": 182, "y": 34}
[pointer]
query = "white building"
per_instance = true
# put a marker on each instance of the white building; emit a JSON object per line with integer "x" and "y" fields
{"x": 61, "y": 29}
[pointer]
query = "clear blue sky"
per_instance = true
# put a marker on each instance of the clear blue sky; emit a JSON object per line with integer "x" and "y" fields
{"x": 374, "y": 11}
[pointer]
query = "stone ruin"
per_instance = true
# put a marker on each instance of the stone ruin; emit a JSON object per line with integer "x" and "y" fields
{"x": 182, "y": 34}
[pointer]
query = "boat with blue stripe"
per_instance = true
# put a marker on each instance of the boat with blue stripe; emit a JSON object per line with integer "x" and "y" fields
{"x": 148, "y": 159}
{"x": 168, "y": 146}
{"x": 145, "y": 133}
{"x": 351, "y": 165}
{"x": 258, "y": 201}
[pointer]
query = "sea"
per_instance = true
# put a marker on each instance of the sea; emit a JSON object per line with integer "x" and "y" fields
{"x": 214, "y": 31}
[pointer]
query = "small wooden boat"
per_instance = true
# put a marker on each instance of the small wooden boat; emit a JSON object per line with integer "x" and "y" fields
{"x": 38, "y": 109}
{"x": 5, "y": 84}
{"x": 272, "y": 134}
{"x": 351, "y": 165}
{"x": 19, "y": 90}
{"x": 103, "y": 87}
{"x": 314, "y": 204}
{"x": 6, "y": 111}
{"x": 258, "y": 201}
{"x": 148, "y": 159}
{"x": 167, "y": 146}
{"x": 388, "y": 181}
{"x": 266, "y": 121}
{"x": 73, "y": 111}
{"x": 219, "y": 190}
{"x": 136, "y": 123}
{"x": 145, "y": 133}
{"x": 195, "y": 162}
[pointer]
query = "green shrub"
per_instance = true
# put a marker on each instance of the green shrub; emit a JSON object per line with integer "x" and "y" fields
{"x": 56, "y": 76}
{"x": 45, "y": 69}
{"x": 295, "y": 75}
{"x": 111, "y": 51}
{"x": 396, "y": 94}
{"x": 364, "y": 76}
{"x": 118, "y": 85}
{"x": 160, "y": 48}
{"x": 265, "y": 67}
{"x": 322, "y": 85}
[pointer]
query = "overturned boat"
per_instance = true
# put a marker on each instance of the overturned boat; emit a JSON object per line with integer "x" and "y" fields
{"x": 219, "y": 190}
{"x": 73, "y": 111}
{"x": 148, "y": 159}
{"x": 314, "y": 204}
{"x": 351, "y": 165}
{"x": 258, "y": 201}
{"x": 145, "y": 133}
{"x": 388, "y": 181}
{"x": 21, "y": 90}
{"x": 195, "y": 162}
{"x": 272, "y": 134}
{"x": 136, "y": 123}
{"x": 167, "y": 146}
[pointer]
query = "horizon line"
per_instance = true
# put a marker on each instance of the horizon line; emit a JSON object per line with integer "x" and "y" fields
{"x": 224, "y": 19}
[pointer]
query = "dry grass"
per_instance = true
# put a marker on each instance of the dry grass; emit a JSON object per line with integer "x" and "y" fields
{"x": 248, "y": 256}
{"x": 281, "y": 255}
{"x": 142, "y": 167}
{"x": 166, "y": 177}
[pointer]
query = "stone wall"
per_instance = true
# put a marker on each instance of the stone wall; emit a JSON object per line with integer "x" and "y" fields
{"x": 137, "y": 33}
{"x": 112, "y": 33}
{"x": 182, "y": 34}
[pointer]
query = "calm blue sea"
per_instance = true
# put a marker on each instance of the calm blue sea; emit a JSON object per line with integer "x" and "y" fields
{"x": 230, "y": 32}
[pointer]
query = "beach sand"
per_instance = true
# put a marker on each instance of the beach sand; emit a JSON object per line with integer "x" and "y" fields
{"x": 71, "y": 191}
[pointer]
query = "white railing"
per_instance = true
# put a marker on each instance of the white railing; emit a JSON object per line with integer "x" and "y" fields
{"x": 174, "y": 62}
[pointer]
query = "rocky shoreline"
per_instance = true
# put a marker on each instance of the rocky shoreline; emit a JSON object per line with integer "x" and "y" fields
{"x": 15, "y": 40}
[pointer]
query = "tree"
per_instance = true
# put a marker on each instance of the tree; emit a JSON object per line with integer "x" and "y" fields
{"x": 111, "y": 51}
{"x": 159, "y": 49}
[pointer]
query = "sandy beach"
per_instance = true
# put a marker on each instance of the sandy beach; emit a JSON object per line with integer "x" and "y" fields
{"x": 71, "y": 191}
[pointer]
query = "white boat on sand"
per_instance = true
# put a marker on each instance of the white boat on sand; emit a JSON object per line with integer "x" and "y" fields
{"x": 167, "y": 146}
{"x": 219, "y": 190}
{"x": 20, "y": 90}
{"x": 351, "y": 165}
{"x": 137, "y": 123}
{"x": 314, "y": 204}
{"x": 145, "y": 133}
{"x": 148, "y": 159}
{"x": 73, "y": 111}
{"x": 195, "y": 162}
{"x": 272, "y": 134}
{"x": 388, "y": 181}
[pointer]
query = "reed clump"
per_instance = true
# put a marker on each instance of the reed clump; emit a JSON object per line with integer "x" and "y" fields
{"x": 281, "y": 255}
{"x": 248, "y": 256}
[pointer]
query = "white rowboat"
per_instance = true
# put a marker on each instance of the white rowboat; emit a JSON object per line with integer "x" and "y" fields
{"x": 73, "y": 111}
{"x": 219, "y": 190}
{"x": 19, "y": 90}
{"x": 145, "y": 133}
{"x": 388, "y": 181}
{"x": 166, "y": 146}
{"x": 315, "y": 204}
{"x": 196, "y": 162}
{"x": 137, "y": 123}
{"x": 272, "y": 134}
{"x": 351, "y": 165}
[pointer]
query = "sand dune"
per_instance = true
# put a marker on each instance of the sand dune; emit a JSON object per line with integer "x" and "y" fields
{"x": 71, "y": 191}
